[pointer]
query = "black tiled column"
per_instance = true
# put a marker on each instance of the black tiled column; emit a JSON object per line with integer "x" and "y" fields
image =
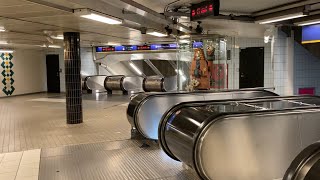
{"x": 72, "y": 64}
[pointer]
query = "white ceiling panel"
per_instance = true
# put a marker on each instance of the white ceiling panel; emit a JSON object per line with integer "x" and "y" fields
{"x": 25, "y": 21}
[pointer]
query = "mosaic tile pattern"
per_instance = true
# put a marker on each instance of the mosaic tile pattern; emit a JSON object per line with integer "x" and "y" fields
{"x": 7, "y": 73}
{"x": 73, "y": 77}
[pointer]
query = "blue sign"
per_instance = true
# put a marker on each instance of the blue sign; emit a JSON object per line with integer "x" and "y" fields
{"x": 163, "y": 46}
{"x": 198, "y": 45}
{"x": 152, "y": 47}
{"x": 311, "y": 34}
{"x": 126, "y": 48}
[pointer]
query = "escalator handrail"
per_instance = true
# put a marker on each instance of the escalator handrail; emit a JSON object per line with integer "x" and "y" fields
{"x": 86, "y": 79}
{"x": 310, "y": 153}
{"x": 150, "y": 95}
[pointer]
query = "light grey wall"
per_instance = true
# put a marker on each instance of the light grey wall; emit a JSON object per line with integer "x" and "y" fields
{"x": 233, "y": 64}
{"x": 88, "y": 67}
{"x": 29, "y": 67}
{"x": 306, "y": 69}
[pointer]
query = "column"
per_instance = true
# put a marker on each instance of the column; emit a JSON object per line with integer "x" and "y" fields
{"x": 72, "y": 63}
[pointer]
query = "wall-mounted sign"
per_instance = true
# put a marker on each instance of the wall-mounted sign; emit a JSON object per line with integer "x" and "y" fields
{"x": 151, "y": 47}
{"x": 126, "y": 48}
{"x": 137, "y": 48}
{"x": 105, "y": 49}
{"x": 163, "y": 46}
{"x": 198, "y": 44}
{"x": 204, "y": 9}
{"x": 311, "y": 34}
{"x": 144, "y": 47}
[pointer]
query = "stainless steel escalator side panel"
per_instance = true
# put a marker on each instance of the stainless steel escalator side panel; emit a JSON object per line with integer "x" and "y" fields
{"x": 252, "y": 146}
{"x": 153, "y": 84}
{"x": 240, "y": 145}
{"x": 133, "y": 105}
{"x": 114, "y": 83}
{"x": 133, "y": 83}
{"x": 95, "y": 83}
{"x": 150, "y": 112}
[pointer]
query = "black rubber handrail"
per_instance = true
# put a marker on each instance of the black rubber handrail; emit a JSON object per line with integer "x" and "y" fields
{"x": 301, "y": 165}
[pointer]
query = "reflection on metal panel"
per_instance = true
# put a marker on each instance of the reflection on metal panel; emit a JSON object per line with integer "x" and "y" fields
{"x": 123, "y": 83}
{"x": 241, "y": 139}
{"x": 145, "y": 110}
{"x": 306, "y": 166}
{"x": 95, "y": 83}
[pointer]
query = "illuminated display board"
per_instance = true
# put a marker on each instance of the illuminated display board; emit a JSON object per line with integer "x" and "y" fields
{"x": 311, "y": 34}
{"x": 204, "y": 9}
{"x": 152, "y": 47}
{"x": 136, "y": 48}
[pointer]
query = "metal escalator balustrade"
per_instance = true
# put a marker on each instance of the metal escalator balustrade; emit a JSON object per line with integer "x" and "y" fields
{"x": 146, "y": 109}
{"x": 306, "y": 166}
{"x": 123, "y": 83}
{"x": 240, "y": 139}
{"x": 94, "y": 83}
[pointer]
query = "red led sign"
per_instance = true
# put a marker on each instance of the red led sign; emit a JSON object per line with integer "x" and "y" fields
{"x": 145, "y": 47}
{"x": 108, "y": 49}
{"x": 204, "y": 9}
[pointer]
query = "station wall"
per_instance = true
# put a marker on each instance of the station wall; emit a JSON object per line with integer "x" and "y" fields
{"x": 88, "y": 66}
{"x": 306, "y": 68}
{"x": 22, "y": 72}
{"x": 241, "y": 43}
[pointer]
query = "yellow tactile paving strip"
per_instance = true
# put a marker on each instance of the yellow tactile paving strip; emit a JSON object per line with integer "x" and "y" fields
{"x": 27, "y": 124}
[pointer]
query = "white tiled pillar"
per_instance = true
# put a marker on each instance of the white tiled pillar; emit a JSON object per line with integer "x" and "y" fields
{"x": 283, "y": 64}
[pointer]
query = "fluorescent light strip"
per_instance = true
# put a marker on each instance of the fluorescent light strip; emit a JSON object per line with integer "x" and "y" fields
{"x": 135, "y": 68}
{"x": 158, "y": 34}
{"x": 281, "y": 18}
{"x": 6, "y": 51}
{"x": 54, "y": 46}
{"x": 3, "y": 42}
{"x": 57, "y": 37}
{"x": 103, "y": 19}
{"x": 307, "y": 23}
{"x": 2, "y": 30}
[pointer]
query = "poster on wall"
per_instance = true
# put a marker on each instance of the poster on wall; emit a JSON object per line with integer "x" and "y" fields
{"x": 199, "y": 70}
{"x": 219, "y": 76}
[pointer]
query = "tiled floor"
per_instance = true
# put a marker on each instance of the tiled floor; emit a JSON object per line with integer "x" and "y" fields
{"x": 99, "y": 148}
{"x": 28, "y": 123}
{"x": 118, "y": 160}
{"x": 20, "y": 165}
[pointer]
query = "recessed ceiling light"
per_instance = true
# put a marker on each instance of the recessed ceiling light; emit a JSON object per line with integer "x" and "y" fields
{"x": 89, "y": 14}
{"x": 60, "y": 37}
{"x": 281, "y": 18}
{"x": 6, "y": 51}
{"x": 3, "y": 42}
{"x": 308, "y": 23}
{"x": 51, "y": 46}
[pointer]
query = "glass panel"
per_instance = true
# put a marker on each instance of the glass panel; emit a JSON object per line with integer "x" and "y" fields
{"x": 207, "y": 58}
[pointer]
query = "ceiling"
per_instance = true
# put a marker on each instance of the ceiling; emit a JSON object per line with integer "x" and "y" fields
{"x": 26, "y": 20}
{"x": 243, "y": 6}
